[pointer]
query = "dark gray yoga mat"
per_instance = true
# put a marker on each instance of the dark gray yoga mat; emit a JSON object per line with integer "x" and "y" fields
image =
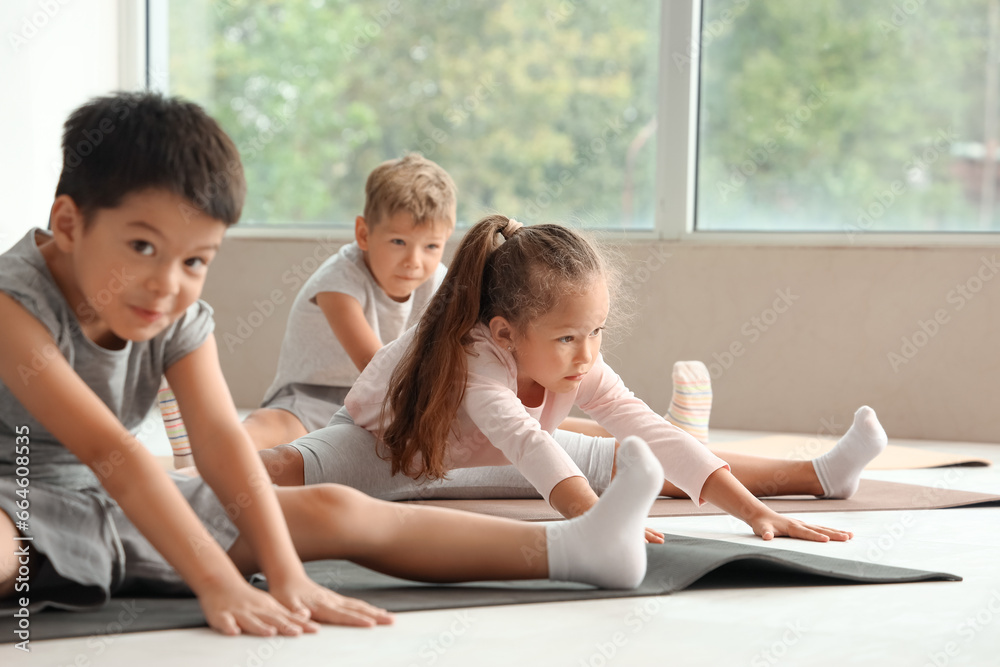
{"x": 673, "y": 566}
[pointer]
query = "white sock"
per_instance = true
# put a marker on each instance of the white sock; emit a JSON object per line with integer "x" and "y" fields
{"x": 605, "y": 546}
{"x": 839, "y": 470}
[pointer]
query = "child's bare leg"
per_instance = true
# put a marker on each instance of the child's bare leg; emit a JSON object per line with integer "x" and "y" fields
{"x": 8, "y": 557}
{"x": 269, "y": 427}
{"x": 764, "y": 476}
{"x": 603, "y": 547}
{"x": 284, "y": 464}
{"x": 840, "y": 468}
{"x": 409, "y": 541}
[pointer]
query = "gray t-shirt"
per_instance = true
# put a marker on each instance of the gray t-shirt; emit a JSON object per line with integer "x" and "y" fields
{"x": 310, "y": 352}
{"x": 126, "y": 380}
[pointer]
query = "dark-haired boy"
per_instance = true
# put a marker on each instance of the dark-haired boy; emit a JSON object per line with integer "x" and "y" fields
{"x": 95, "y": 311}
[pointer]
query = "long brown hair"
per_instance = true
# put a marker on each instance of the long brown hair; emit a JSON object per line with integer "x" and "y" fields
{"x": 498, "y": 270}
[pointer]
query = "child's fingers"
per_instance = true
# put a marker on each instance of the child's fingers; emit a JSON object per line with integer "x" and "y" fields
{"x": 307, "y": 624}
{"x": 266, "y": 622}
{"x": 361, "y": 608}
{"x": 802, "y": 531}
{"x": 765, "y": 529}
{"x": 224, "y": 623}
{"x": 833, "y": 533}
{"x": 342, "y": 610}
{"x": 252, "y": 625}
{"x": 343, "y": 616}
{"x": 654, "y": 536}
{"x": 303, "y": 616}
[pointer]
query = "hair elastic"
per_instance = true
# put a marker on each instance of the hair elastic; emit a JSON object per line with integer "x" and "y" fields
{"x": 511, "y": 227}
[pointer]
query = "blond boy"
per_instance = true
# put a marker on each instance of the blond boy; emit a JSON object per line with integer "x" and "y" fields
{"x": 363, "y": 297}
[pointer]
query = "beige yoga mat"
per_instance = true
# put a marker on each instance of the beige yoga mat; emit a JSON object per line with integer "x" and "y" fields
{"x": 804, "y": 448}
{"x": 872, "y": 495}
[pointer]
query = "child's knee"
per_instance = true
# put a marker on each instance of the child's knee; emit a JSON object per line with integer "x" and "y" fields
{"x": 331, "y": 505}
{"x": 284, "y": 465}
{"x": 9, "y": 562}
{"x": 342, "y": 499}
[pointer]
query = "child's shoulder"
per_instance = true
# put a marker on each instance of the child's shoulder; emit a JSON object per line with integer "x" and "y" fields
{"x": 25, "y": 277}
{"x": 344, "y": 272}
{"x": 486, "y": 357}
{"x": 346, "y": 265}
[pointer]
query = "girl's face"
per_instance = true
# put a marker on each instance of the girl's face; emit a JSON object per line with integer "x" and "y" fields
{"x": 559, "y": 348}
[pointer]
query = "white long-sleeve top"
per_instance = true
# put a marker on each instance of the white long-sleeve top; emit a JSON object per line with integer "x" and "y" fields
{"x": 494, "y": 428}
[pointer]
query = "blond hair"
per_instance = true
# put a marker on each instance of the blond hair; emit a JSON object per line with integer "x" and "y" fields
{"x": 412, "y": 184}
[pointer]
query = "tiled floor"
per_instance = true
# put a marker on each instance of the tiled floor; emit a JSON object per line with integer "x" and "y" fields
{"x": 935, "y": 624}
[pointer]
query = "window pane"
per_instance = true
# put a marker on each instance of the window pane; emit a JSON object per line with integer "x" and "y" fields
{"x": 542, "y": 111}
{"x": 849, "y": 115}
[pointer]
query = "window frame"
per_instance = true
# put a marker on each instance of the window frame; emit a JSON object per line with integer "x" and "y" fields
{"x": 144, "y": 63}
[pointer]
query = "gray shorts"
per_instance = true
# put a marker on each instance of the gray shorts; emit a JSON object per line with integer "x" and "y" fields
{"x": 84, "y": 549}
{"x": 344, "y": 453}
{"x": 312, "y": 404}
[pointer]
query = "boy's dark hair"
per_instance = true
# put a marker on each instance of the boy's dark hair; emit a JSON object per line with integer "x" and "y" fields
{"x": 126, "y": 142}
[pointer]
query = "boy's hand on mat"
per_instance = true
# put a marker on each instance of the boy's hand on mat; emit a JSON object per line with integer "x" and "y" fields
{"x": 654, "y": 536}
{"x": 245, "y": 609}
{"x": 310, "y": 600}
{"x": 772, "y": 525}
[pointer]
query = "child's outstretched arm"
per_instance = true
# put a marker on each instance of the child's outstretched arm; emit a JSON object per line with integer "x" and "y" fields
{"x": 63, "y": 403}
{"x": 347, "y": 319}
{"x": 724, "y": 491}
{"x": 230, "y": 465}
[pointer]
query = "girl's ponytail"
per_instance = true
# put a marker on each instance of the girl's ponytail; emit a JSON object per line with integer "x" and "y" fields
{"x": 428, "y": 385}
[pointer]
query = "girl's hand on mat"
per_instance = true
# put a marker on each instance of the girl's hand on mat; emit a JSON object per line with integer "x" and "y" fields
{"x": 654, "y": 536}
{"x": 310, "y": 600}
{"x": 772, "y": 525}
{"x": 234, "y": 610}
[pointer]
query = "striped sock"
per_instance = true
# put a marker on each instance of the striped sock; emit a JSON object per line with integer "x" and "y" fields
{"x": 172, "y": 421}
{"x": 691, "y": 404}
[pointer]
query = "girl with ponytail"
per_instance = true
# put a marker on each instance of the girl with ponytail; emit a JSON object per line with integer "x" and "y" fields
{"x": 507, "y": 347}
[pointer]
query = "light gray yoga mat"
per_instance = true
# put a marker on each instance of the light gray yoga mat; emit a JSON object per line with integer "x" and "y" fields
{"x": 673, "y": 566}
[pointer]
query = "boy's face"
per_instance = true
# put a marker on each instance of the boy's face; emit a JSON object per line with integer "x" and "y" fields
{"x": 400, "y": 254}
{"x": 137, "y": 267}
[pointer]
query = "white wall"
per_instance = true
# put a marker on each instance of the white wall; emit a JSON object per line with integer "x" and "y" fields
{"x": 54, "y": 55}
{"x": 803, "y": 364}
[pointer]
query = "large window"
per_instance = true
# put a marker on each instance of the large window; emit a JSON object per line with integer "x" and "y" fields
{"x": 849, "y": 115}
{"x": 543, "y": 111}
{"x": 693, "y": 118}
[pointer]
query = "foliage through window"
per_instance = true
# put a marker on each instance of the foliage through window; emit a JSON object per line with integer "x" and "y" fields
{"x": 849, "y": 115}
{"x": 546, "y": 112}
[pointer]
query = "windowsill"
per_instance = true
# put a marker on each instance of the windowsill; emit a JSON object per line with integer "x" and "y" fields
{"x": 845, "y": 239}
